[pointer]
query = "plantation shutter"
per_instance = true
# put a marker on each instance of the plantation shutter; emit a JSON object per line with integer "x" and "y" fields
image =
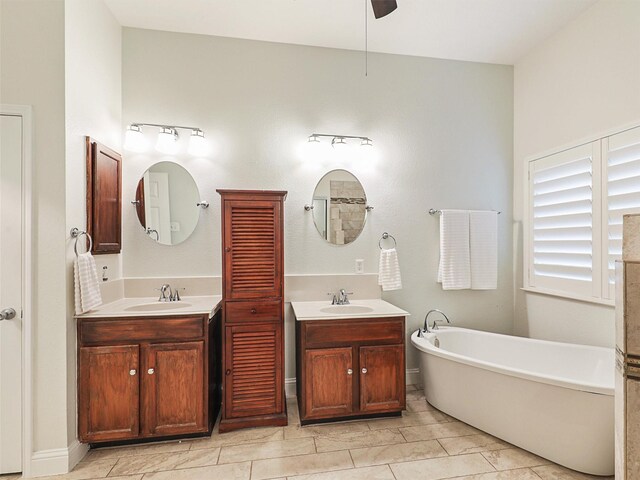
{"x": 562, "y": 213}
{"x": 622, "y": 153}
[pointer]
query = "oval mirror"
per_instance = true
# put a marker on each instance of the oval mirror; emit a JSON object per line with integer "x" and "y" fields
{"x": 166, "y": 199}
{"x": 339, "y": 207}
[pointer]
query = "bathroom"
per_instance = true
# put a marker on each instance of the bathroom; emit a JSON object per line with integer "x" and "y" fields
{"x": 451, "y": 129}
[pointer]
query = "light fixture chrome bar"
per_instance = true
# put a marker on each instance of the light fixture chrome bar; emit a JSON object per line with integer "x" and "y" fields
{"x": 339, "y": 136}
{"x": 140, "y": 124}
{"x": 433, "y": 211}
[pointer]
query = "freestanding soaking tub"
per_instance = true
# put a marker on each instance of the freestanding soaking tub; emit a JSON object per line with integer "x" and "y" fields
{"x": 552, "y": 399}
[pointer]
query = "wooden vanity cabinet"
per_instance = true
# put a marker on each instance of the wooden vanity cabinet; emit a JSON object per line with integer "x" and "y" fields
{"x": 253, "y": 309}
{"x": 146, "y": 377}
{"x": 350, "y": 368}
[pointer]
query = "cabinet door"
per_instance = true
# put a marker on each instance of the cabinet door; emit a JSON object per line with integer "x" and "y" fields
{"x": 173, "y": 388}
{"x": 329, "y": 382}
{"x": 252, "y": 249}
{"x": 253, "y": 370}
{"x": 108, "y": 403}
{"x": 104, "y": 197}
{"x": 382, "y": 378}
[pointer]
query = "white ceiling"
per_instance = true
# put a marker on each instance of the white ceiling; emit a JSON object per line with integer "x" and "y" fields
{"x": 491, "y": 31}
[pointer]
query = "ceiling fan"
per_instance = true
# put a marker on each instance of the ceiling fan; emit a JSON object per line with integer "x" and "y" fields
{"x": 382, "y": 8}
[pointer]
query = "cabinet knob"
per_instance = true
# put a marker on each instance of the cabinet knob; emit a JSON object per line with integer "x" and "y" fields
{"x": 364, "y": 370}
{"x": 132, "y": 372}
{"x": 228, "y": 372}
{"x": 254, "y": 311}
{"x": 150, "y": 371}
{"x": 349, "y": 371}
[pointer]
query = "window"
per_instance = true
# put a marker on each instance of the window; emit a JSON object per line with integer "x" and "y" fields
{"x": 577, "y": 198}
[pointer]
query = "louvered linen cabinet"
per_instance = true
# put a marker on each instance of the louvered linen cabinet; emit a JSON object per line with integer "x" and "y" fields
{"x": 252, "y": 309}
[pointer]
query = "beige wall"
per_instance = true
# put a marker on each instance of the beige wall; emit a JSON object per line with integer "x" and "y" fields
{"x": 93, "y": 59}
{"x": 442, "y": 132}
{"x": 580, "y": 83}
{"x": 33, "y": 64}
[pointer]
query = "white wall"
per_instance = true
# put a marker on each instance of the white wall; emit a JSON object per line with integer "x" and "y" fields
{"x": 93, "y": 59}
{"x": 32, "y": 73}
{"x": 582, "y": 82}
{"x": 442, "y": 132}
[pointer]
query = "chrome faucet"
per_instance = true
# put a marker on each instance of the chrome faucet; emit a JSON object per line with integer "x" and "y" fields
{"x": 341, "y": 298}
{"x": 163, "y": 293}
{"x": 425, "y": 329}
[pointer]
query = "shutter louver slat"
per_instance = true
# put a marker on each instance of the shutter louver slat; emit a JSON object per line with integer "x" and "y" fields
{"x": 253, "y": 249}
{"x": 623, "y": 191}
{"x": 562, "y": 221}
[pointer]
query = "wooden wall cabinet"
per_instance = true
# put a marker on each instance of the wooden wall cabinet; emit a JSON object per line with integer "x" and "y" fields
{"x": 253, "y": 309}
{"x": 350, "y": 368}
{"x": 104, "y": 197}
{"x": 146, "y": 377}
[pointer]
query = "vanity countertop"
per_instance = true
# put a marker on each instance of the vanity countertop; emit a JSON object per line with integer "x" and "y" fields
{"x": 151, "y": 307}
{"x": 374, "y": 308}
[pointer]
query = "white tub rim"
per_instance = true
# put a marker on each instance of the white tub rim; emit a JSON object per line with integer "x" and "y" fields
{"x": 424, "y": 345}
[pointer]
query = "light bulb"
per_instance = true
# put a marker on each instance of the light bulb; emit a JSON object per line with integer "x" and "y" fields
{"x": 167, "y": 141}
{"x": 366, "y": 142}
{"x": 338, "y": 142}
{"x": 198, "y": 146}
{"x": 134, "y": 140}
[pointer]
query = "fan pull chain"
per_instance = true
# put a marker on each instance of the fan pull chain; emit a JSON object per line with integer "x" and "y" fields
{"x": 366, "y": 40}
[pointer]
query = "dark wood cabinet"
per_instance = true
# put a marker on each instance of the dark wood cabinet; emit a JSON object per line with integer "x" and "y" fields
{"x": 382, "y": 378}
{"x": 109, "y": 393}
{"x": 173, "y": 398}
{"x": 253, "y": 309}
{"x": 104, "y": 197}
{"x": 146, "y": 377}
{"x": 329, "y": 382}
{"x": 350, "y": 368}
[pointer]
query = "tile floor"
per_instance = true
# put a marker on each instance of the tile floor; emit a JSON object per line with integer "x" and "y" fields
{"x": 424, "y": 444}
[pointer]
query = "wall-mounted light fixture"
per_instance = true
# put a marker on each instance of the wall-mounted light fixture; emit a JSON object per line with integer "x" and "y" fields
{"x": 339, "y": 141}
{"x": 167, "y": 141}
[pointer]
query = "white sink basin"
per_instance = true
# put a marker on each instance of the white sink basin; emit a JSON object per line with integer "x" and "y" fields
{"x": 346, "y": 309}
{"x": 157, "y": 306}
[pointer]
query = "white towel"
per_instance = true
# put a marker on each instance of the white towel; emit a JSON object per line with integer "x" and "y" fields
{"x": 483, "y": 246}
{"x": 454, "y": 271}
{"x": 87, "y": 287}
{"x": 389, "y": 270}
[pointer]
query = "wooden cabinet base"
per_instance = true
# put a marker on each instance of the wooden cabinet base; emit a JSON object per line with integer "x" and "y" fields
{"x": 229, "y": 425}
{"x": 344, "y": 418}
{"x": 350, "y": 369}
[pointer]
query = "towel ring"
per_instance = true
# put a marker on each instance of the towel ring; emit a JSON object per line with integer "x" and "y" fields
{"x": 385, "y": 235}
{"x": 76, "y": 233}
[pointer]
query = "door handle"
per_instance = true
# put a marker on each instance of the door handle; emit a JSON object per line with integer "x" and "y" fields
{"x": 7, "y": 314}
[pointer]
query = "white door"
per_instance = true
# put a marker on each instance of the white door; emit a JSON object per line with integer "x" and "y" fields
{"x": 157, "y": 206}
{"x": 11, "y": 295}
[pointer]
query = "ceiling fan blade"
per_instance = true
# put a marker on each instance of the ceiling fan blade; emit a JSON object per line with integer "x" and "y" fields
{"x": 382, "y": 8}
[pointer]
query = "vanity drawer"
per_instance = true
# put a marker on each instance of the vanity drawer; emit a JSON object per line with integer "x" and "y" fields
{"x": 328, "y": 333}
{"x": 143, "y": 329}
{"x": 238, "y": 312}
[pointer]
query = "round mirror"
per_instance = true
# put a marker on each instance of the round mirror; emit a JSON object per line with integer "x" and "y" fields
{"x": 166, "y": 199}
{"x": 339, "y": 207}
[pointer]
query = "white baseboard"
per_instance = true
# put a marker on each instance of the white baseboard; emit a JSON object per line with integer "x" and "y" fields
{"x": 58, "y": 460}
{"x": 412, "y": 377}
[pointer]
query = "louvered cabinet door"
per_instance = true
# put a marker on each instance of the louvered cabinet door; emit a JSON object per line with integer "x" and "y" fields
{"x": 253, "y": 370}
{"x": 252, "y": 249}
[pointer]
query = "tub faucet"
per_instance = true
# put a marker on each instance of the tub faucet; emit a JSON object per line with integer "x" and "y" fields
{"x": 425, "y": 329}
